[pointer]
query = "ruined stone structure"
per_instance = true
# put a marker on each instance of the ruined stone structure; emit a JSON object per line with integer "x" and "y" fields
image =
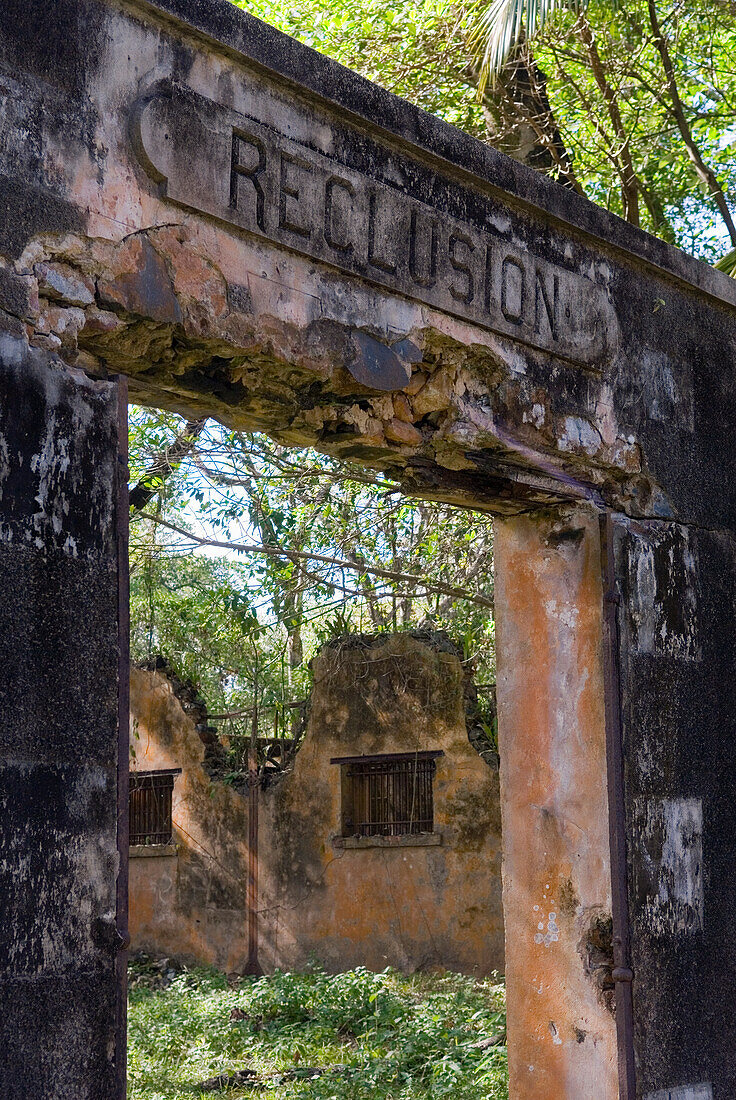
{"x": 244, "y": 229}
{"x": 430, "y": 899}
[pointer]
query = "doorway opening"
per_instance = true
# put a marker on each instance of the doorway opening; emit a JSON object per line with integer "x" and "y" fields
{"x": 292, "y": 611}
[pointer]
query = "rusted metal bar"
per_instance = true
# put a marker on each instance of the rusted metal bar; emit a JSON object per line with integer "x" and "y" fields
{"x": 622, "y": 974}
{"x": 121, "y": 892}
{"x": 390, "y": 795}
{"x": 149, "y": 806}
{"x": 253, "y": 966}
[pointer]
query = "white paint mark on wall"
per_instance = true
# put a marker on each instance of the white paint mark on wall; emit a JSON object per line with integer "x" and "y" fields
{"x": 580, "y": 435}
{"x": 552, "y": 932}
{"x": 664, "y": 586}
{"x": 683, "y": 1092}
{"x": 5, "y": 466}
{"x": 672, "y": 850}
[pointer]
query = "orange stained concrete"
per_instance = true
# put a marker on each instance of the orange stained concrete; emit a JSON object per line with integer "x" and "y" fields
{"x": 176, "y": 900}
{"x": 556, "y": 866}
{"x": 408, "y": 906}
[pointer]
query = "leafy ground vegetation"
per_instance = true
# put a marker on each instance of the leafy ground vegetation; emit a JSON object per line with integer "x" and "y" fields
{"x": 352, "y": 1036}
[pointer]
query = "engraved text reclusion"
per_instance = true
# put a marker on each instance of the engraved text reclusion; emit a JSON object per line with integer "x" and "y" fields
{"x": 218, "y": 162}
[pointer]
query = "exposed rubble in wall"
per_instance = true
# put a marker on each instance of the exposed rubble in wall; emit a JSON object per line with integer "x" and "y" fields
{"x": 312, "y": 901}
{"x": 217, "y": 762}
{"x": 156, "y": 308}
{"x": 475, "y": 716}
{"x": 195, "y": 708}
{"x": 596, "y": 952}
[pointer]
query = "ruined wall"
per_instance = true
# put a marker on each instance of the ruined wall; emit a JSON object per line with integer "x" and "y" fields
{"x": 188, "y": 899}
{"x": 402, "y": 902}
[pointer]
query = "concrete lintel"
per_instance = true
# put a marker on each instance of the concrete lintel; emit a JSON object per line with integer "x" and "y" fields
{"x": 152, "y": 851}
{"x": 418, "y": 840}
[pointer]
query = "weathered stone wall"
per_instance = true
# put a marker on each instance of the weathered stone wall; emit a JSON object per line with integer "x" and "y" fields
{"x": 191, "y": 900}
{"x": 249, "y": 231}
{"x": 402, "y": 903}
{"x": 405, "y": 905}
{"x": 60, "y": 998}
{"x": 678, "y": 586}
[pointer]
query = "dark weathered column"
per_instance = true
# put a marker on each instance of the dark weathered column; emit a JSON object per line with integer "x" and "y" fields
{"x": 677, "y": 586}
{"x": 58, "y": 738}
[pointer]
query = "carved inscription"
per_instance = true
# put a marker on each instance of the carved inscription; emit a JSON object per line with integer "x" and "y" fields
{"x": 210, "y": 159}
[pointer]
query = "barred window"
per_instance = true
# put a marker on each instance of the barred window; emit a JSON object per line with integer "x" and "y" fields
{"x": 388, "y": 795}
{"x": 150, "y": 806}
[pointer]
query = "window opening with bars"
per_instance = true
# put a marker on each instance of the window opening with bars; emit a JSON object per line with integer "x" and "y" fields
{"x": 150, "y": 806}
{"x": 388, "y": 795}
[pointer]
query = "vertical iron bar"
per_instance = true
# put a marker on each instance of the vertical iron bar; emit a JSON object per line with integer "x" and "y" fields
{"x": 121, "y": 891}
{"x": 253, "y": 966}
{"x": 382, "y": 803}
{"x": 427, "y": 792}
{"x": 622, "y": 974}
{"x": 391, "y": 800}
{"x": 381, "y": 796}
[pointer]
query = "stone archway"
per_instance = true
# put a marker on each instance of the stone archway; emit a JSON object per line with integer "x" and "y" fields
{"x": 244, "y": 229}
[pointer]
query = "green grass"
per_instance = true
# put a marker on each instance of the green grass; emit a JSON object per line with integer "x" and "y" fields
{"x": 375, "y": 1036}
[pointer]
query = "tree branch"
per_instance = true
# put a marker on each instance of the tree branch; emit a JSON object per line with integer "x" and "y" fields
{"x": 629, "y": 181}
{"x": 324, "y": 559}
{"x": 164, "y": 465}
{"x": 704, "y": 172}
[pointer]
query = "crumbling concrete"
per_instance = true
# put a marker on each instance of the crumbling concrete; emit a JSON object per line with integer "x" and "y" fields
{"x": 458, "y": 325}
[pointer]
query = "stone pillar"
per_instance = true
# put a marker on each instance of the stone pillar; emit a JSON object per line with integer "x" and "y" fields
{"x": 59, "y": 995}
{"x": 556, "y": 864}
{"x": 677, "y": 589}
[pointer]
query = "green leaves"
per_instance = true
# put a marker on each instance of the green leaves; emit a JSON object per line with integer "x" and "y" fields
{"x": 417, "y": 50}
{"x": 504, "y": 25}
{"x": 375, "y": 1036}
{"x": 727, "y": 263}
{"x": 243, "y": 626}
{"x": 435, "y": 54}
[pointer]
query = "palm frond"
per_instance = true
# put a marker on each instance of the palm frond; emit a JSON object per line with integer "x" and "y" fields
{"x": 503, "y": 24}
{"x": 727, "y": 263}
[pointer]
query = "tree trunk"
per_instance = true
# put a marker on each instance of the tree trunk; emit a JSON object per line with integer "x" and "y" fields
{"x": 521, "y": 122}
{"x": 164, "y": 465}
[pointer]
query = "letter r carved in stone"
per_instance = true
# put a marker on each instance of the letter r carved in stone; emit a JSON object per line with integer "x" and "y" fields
{"x": 248, "y": 162}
